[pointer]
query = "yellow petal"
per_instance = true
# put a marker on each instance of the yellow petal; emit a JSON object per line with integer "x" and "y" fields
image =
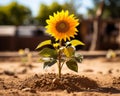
{"x": 62, "y": 26}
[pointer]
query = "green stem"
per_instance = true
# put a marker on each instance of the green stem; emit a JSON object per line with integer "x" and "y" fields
{"x": 59, "y": 62}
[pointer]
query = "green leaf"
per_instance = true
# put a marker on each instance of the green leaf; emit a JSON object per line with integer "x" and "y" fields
{"x": 46, "y": 42}
{"x": 49, "y": 63}
{"x": 69, "y": 51}
{"x": 56, "y": 45}
{"x": 42, "y": 59}
{"x": 76, "y": 42}
{"x": 79, "y": 58}
{"x": 68, "y": 43}
{"x": 47, "y": 52}
{"x": 72, "y": 65}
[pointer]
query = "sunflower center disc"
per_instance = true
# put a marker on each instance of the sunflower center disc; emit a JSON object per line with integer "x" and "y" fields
{"x": 62, "y": 26}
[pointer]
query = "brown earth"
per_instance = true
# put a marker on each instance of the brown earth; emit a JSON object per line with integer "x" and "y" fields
{"x": 96, "y": 77}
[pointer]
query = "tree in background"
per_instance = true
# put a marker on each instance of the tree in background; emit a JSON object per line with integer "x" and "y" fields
{"x": 73, "y": 7}
{"x": 46, "y": 10}
{"x": 111, "y": 9}
{"x": 14, "y": 14}
{"x": 3, "y": 18}
{"x": 108, "y": 9}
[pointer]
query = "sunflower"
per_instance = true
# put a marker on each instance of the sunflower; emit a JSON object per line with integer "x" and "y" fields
{"x": 62, "y": 26}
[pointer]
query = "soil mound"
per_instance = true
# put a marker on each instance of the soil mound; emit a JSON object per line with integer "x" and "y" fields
{"x": 116, "y": 82}
{"x": 50, "y": 82}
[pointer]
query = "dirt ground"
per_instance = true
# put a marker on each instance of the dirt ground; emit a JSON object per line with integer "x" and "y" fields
{"x": 97, "y": 76}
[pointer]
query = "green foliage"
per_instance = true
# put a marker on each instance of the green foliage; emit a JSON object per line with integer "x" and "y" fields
{"x": 46, "y": 42}
{"x": 73, "y": 6}
{"x": 14, "y": 14}
{"x": 3, "y": 18}
{"x": 49, "y": 63}
{"x": 69, "y": 51}
{"x": 72, "y": 65}
{"x": 45, "y": 11}
{"x": 47, "y": 52}
{"x": 56, "y": 45}
{"x": 17, "y": 14}
{"x": 78, "y": 58}
{"x": 61, "y": 54}
{"x": 111, "y": 9}
{"x": 76, "y": 43}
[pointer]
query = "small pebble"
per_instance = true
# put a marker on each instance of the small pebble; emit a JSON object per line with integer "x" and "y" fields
{"x": 56, "y": 81}
{"x": 26, "y": 89}
{"x": 29, "y": 89}
{"x": 88, "y": 70}
{"x": 10, "y": 73}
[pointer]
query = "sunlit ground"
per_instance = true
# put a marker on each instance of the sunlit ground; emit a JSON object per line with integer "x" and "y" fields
{"x": 105, "y": 70}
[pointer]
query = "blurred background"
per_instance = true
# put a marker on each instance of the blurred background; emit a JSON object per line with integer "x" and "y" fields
{"x": 22, "y": 22}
